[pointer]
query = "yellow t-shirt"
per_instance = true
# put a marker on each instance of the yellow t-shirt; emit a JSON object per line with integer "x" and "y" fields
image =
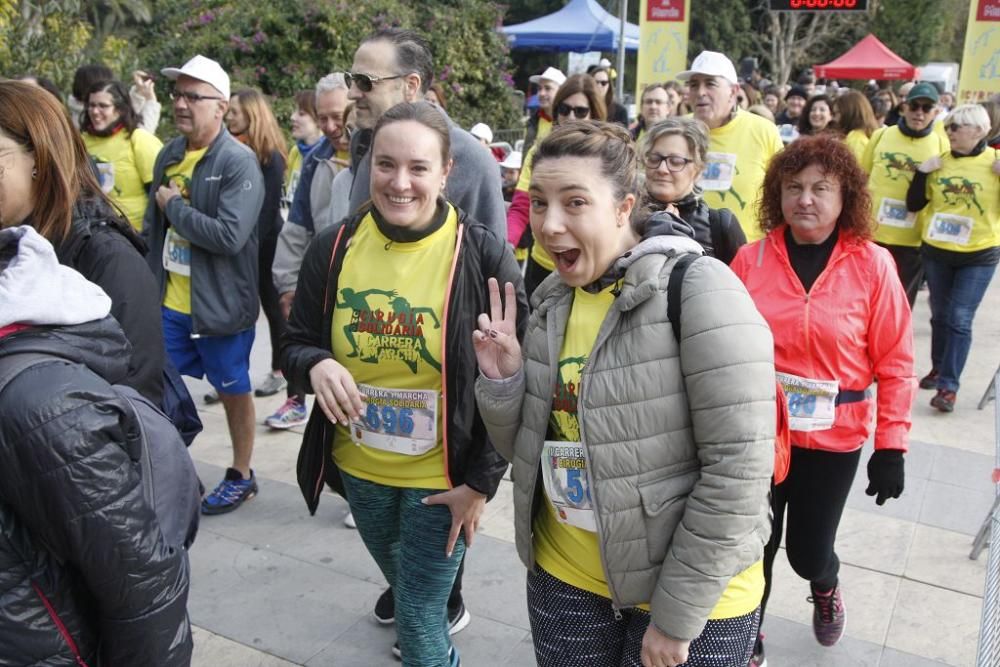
{"x": 125, "y": 165}
{"x": 292, "y": 172}
{"x": 890, "y": 159}
{"x": 537, "y": 253}
{"x": 388, "y": 325}
{"x": 178, "y": 294}
{"x": 856, "y": 140}
{"x": 963, "y": 212}
{"x": 563, "y": 549}
{"x": 738, "y": 155}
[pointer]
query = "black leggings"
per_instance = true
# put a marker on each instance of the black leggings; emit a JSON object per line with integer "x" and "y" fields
{"x": 272, "y": 310}
{"x": 909, "y": 267}
{"x": 814, "y": 494}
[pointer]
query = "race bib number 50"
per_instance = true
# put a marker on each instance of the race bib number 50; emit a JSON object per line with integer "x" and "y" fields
{"x": 177, "y": 254}
{"x": 403, "y": 421}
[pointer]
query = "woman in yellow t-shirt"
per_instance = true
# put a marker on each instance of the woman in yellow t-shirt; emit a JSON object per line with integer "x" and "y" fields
{"x": 642, "y": 459}
{"x": 381, "y": 332}
{"x": 853, "y": 116}
{"x": 578, "y": 98}
{"x": 961, "y": 241}
{"x": 123, "y": 152}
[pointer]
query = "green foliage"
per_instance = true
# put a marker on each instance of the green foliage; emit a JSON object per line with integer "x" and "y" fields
{"x": 893, "y": 24}
{"x": 284, "y": 47}
{"x": 721, "y": 25}
{"x": 44, "y": 38}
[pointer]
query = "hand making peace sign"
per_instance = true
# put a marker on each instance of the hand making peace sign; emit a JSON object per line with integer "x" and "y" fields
{"x": 497, "y": 349}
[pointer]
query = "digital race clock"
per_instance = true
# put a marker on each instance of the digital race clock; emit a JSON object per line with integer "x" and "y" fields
{"x": 819, "y": 5}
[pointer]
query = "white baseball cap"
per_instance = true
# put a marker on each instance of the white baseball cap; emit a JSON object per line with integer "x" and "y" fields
{"x": 482, "y": 131}
{"x": 203, "y": 69}
{"x": 512, "y": 161}
{"x": 711, "y": 63}
{"x": 551, "y": 74}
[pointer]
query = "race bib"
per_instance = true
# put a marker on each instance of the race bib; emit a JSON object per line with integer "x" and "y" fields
{"x": 403, "y": 421}
{"x": 811, "y": 403}
{"x": 720, "y": 168}
{"x": 788, "y": 132}
{"x": 564, "y": 474}
{"x": 893, "y": 213}
{"x": 177, "y": 253}
{"x": 950, "y": 228}
{"x": 106, "y": 176}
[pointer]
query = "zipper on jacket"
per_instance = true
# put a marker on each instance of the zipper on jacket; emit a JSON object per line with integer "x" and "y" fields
{"x": 449, "y": 287}
{"x": 60, "y": 626}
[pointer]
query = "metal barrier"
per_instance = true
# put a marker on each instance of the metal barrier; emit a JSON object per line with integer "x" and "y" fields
{"x": 510, "y": 136}
{"x": 989, "y": 629}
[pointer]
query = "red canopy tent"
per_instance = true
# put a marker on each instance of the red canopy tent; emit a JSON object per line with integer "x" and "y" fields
{"x": 868, "y": 59}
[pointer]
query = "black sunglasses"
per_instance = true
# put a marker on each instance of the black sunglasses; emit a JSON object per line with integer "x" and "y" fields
{"x": 365, "y": 82}
{"x": 953, "y": 127}
{"x": 191, "y": 98}
{"x": 579, "y": 112}
{"x": 926, "y": 107}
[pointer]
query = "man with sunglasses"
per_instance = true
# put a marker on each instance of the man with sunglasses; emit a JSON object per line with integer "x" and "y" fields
{"x": 393, "y": 66}
{"x": 740, "y": 144}
{"x": 201, "y": 229}
{"x": 891, "y": 158}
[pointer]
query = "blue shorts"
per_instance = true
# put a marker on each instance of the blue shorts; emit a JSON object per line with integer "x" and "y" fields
{"x": 225, "y": 360}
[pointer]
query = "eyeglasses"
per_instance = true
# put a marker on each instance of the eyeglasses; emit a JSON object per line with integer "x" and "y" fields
{"x": 365, "y": 82}
{"x": 953, "y": 127}
{"x": 190, "y": 98}
{"x": 579, "y": 112}
{"x": 926, "y": 107}
{"x": 675, "y": 163}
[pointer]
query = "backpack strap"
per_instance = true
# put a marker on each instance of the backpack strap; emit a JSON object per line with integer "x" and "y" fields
{"x": 11, "y": 365}
{"x": 715, "y": 221}
{"x": 674, "y": 285}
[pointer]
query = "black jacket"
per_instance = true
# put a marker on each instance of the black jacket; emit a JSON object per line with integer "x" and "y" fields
{"x": 717, "y": 230}
{"x": 105, "y": 249}
{"x": 75, "y": 530}
{"x": 470, "y": 455}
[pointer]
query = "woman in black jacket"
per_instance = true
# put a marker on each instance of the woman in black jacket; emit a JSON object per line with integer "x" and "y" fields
{"x": 60, "y": 197}
{"x": 381, "y": 332}
{"x": 673, "y": 152}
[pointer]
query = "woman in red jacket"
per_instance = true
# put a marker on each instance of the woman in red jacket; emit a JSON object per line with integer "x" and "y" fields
{"x": 840, "y": 321}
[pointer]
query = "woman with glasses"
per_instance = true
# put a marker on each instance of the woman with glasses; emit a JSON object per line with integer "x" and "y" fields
{"x": 642, "y": 453}
{"x": 577, "y": 99}
{"x": 673, "y": 152}
{"x": 381, "y": 332}
{"x": 959, "y": 193}
{"x": 603, "y": 77}
{"x": 891, "y": 158}
{"x": 123, "y": 152}
{"x": 47, "y": 181}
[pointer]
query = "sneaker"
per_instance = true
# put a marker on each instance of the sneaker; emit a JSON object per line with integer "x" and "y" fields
{"x": 272, "y": 384}
{"x": 453, "y": 658}
{"x": 929, "y": 381}
{"x": 212, "y": 397}
{"x": 385, "y": 608}
{"x": 944, "y": 400}
{"x": 349, "y": 520}
{"x": 291, "y": 413}
{"x": 829, "y": 616}
{"x": 458, "y": 618}
{"x": 231, "y": 492}
{"x": 757, "y": 658}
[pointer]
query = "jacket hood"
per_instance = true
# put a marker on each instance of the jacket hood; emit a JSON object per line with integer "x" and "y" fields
{"x": 36, "y": 289}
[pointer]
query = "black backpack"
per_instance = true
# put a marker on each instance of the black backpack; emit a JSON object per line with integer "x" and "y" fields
{"x": 170, "y": 484}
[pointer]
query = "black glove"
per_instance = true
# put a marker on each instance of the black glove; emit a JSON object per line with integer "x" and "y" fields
{"x": 885, "y": 474}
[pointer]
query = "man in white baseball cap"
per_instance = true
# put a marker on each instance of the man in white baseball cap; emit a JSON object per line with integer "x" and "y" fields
{"x": 482, "y": 132}
{"x": 540, "y": 123}
{"x": 201, "y": 230}
{"x": 740, "y": 143}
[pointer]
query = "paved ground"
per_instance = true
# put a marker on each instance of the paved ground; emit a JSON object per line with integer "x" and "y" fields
{"x": 273, "y": 586}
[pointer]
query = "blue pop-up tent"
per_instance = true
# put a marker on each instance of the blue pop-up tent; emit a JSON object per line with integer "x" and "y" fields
{"x": 582, "y": 25}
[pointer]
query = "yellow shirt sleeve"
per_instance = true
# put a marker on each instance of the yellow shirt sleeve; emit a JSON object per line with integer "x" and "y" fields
{"x": 146, "y": 147}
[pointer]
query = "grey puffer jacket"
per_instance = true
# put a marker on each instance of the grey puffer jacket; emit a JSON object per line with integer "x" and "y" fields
{"x": 679, "y": 441}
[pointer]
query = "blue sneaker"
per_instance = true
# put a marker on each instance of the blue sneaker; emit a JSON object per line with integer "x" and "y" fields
{"x": 291, "y": 413}
{"x": 231, "y": 492}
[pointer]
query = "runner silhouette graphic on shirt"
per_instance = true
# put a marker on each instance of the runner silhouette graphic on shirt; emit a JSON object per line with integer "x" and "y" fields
{"x": 406, "y": 329}
{"x": 358, "y": 302}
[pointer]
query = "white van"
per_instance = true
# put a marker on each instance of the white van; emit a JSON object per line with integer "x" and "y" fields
{"x": 943, "y": 75}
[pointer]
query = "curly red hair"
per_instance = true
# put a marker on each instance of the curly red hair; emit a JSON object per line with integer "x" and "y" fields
{"x": 834, "y": 159}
